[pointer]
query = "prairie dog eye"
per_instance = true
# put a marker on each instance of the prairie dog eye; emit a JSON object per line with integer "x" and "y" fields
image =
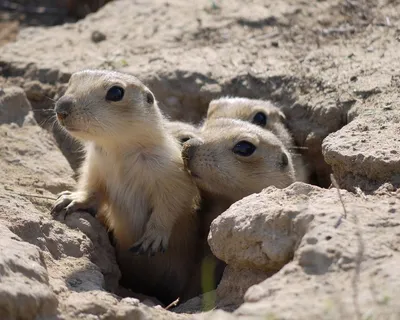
{"x": 260, "y": 119}
{"x": 284, "y": 160}
{"x": 149, "y": 98}
{"x": 115, "y": 94}
{"x": 184, "y": 139}
{"x": 244, "y": 148}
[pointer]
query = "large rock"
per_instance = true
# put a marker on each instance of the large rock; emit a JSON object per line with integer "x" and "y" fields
{"x": 343, "y": 261}
{"x": 14, "y": 105}
{"x": 247, "y": 237}
{"x": 24, "y": 282}
{"x": 366, "y": 152}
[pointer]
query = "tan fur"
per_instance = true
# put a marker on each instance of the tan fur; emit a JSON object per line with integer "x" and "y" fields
{"x": 225, "y": 177}
{"x": 245, "y": 109}
{"x": 218, "y": 170}
{"x": 182, "y": 131}
{"x": 133, "y": 174}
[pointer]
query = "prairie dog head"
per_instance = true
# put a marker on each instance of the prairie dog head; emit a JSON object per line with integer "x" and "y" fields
{"x": 106, "y": 107}
{"x": 235, "y": 158}
{"x": 259, "y": 112}
{"x": 182, "y": 131}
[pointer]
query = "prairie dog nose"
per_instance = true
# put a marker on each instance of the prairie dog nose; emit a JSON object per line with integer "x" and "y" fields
{"x": 189, "y": 149}
{"x": 64, "y": 106}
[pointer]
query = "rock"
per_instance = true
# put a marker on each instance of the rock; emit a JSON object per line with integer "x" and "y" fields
{"x": 24, "y": 281}
{"x": 248, "y": 236}
{"x": 345, "y": 263}
{"x": 98, "y": 36}
{"x": 14, "y": 105}
{"x": 366, "y": 153}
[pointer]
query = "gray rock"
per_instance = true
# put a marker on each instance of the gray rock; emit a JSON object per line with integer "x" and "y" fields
{"x": 14, "y": 105}
{"x": 342, "y": 266}
{"x": 366, "y": 152}
{"x": 24, "y": 282}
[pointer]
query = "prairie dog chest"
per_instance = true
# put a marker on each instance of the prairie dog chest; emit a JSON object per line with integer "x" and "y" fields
{"x": 133, "y": 175}
{"x": 125, "y": 182}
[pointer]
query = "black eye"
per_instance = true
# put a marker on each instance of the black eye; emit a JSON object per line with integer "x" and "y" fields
{"x": 284, "y": 160}
{"x": 260, "y": 119}
{"x": 184, "y": 139}
{"x": 115, "y": 94}
{"x": 150, "y": 98}
{"x": 244, "y": 148}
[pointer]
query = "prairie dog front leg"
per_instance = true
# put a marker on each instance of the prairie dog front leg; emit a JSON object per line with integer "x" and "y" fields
{"x": 87, "y": 196}
{"x": 168, "y": 206}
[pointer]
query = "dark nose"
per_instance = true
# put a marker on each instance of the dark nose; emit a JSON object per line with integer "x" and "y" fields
{"x": 64, "y": 106}
{"x": 189, "y": 150}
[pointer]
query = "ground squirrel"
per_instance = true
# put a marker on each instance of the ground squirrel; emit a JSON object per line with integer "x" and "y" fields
{"x": 232, "y": 160}
{"x": 133, "y": 174}
{"x": 264, "y": 114}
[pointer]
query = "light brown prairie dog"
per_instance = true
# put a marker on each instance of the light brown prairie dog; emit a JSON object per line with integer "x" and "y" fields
{"x": 133, "y": 174}
{"x": 182, "y": 131}
{"x": 235, "y": 158}
{"x": 232, "y": 160}
{"x": 261, "y": 113}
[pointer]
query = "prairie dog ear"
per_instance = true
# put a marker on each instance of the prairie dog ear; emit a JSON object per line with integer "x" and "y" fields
{"x": 213, "y": 106}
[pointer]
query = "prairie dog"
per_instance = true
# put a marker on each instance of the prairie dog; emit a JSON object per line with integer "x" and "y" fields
{"x": 232, "y": 160}
{"x": 133, "y": 174}
{"x": 182, "y": 131}
{"x": 261, "y": 113}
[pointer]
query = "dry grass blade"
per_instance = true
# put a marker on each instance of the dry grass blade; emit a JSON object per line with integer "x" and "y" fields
{"x": 336, "y": 185}
{"x": 172, "y": 304}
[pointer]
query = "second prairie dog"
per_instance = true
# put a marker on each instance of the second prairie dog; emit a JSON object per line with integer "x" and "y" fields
{"x": 133, "y": 175}
{"x": 182, "y": 131}
{"x": 232, "y": 160}
{"x": 259, "y": 112}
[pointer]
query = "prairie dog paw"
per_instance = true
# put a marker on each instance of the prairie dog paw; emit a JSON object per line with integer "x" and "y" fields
{"x": 154, "y": 240}
{"x": 70, "y": 202}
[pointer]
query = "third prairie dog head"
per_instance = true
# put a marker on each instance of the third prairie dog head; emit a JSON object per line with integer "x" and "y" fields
{"x": 182, "y": 131}
{"x": 259, "y": 112}
{"x": 235, "y": 158}
{"x": 108, "y": 107}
